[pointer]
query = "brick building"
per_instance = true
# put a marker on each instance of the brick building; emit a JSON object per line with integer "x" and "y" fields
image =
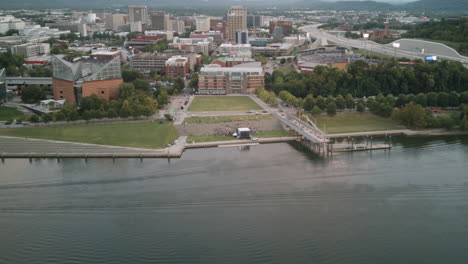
{"x": 240, "y": 79}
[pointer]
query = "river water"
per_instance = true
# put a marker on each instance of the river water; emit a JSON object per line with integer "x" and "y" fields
{"x": 273, "y": 203}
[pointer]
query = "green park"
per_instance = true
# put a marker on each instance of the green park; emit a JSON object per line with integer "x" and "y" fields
{"x": 223, "y": 103}
{"x": 146, "y": 134}
{"x": 10, "y": 113}
{"x": 354, "y": 122}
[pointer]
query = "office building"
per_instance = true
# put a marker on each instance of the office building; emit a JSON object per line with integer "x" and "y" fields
{"x": 195, "y": 45}
{"x": 10, "y": 22}
{"x": 138, "y": 14}
{"x": 202, "y": 23}
{"x": 242, "y": 37}
{"x": 241, "y": 79}
{"x": 114, "y": 21}
{"x": 219, "y": 25}
{"x": 147, "y": 61}
{"x": 31, "y": 49}
{"x": 177, "y": 66}
{"x": 254, "y": 21}
{"x": 159, "y": 20}
{"x": 286, "y": 27}
{"x": 232, "y": 48}
{"x": 236, "y": 21}
{"x": 136, "y": 26}
{"x": 177, "y": 26}
{"x": 231, "y": 61}
{"x": 216, "y": 35}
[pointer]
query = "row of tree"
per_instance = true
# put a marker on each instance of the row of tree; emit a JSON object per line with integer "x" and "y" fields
{"x": 267, "y": 97}
{"x": 362, "y": 79}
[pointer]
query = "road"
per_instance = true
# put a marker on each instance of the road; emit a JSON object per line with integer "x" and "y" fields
{"x": 375, "y": 47}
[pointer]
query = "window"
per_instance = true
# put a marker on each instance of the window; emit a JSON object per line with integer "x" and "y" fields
{"x": 102, "y": 92}
{"x": 61, "y": 92}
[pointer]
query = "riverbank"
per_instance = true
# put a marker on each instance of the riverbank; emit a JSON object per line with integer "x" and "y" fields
{"x": 405, "y": 132}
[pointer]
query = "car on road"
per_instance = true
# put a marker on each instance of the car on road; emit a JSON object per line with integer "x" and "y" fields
{"x": 264, "y": 111}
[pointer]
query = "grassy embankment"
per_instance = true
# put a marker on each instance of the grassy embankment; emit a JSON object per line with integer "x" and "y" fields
{"x": 10, "y": 113}
{"x": 147, "y": 134}
{"x": 223, "y": 103}
{"x": 354, "y": 122}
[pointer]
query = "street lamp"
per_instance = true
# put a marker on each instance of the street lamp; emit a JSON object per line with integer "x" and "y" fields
{"x": 366, "y": 36}
{"x": 395, "y": 45}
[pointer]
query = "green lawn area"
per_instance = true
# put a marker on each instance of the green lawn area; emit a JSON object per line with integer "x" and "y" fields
{"x": 286, "y": 69}
{"x": 272, "y": 133}
{"x": 220, "y": 119}
{"x": 354, "y": 122}
{"x": 223, "y": 103}
{"x": 147, "y": 134}
{"x": 208, "y": 138}
{"x": 10, "y": 113}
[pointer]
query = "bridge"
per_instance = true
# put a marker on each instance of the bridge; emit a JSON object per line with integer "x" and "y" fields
{"x": 11, "y": 81}
{"x": 308, "y": 131}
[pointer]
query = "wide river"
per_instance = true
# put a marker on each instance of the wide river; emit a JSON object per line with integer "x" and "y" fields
{"x": 273, "y": 203}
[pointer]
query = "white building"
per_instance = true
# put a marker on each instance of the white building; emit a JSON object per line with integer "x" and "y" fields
{"x": 202, "y": 23}
{"x": 230, "y": 48}
{"x": 31, "y": 50}
{"x": 10, "y": 22}
{"x": 114, "y": 21}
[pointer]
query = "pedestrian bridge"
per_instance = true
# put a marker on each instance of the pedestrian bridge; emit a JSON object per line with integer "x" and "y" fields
{"x": 308, "y": 131}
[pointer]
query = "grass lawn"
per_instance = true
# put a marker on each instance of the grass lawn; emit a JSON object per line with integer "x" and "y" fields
{"x": 286, "y": 69}
{"x": 220, "y": 119}
{"x": 10, "y": 113}
{"x": 354, "y": 122}
{"x": 208, "y": 138}
{"x": 223, "y": 103}
{"x": 145, "y": 134}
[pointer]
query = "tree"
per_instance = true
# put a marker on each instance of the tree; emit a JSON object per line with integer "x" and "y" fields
{"x": 34, "y": 119}
{"x": 349, "y": 101}
{"x": 431, "y": 99}
{"x": 126, "y": 90}
{"x": 453, "y": 99}
{"x": 340, "y": 102}
{"x": 32, "y": 94}
{"x": 48, "y": 117}
{"x": 179, "y": 85}
{"x": 442, "y": 99}
{"x": 125, "y": 110}
{"x": 282, "y": 61}
{"x": 331, "y": 109}
{"x": 142, "y": 85}
{"x": 401, "y": 100}
{"x": 130, "y": 75}
{"x": 464, "y": 98}
{"x": 309, "y": 103}
{"x": 321, "y": 103}
{"x": 411, "y": 115}
{"x": 316, "y": 111}
{"x": 360, "y": 107}
{"x": 161, "y": 95}
{"x": 421, "y": 99}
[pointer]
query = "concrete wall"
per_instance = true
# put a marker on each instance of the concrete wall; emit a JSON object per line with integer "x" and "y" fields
{"x": 107, "y": 89}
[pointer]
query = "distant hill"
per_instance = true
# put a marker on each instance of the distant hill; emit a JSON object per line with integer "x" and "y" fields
{"x": 345, "y": 5}
{"x": 440, "y": 5}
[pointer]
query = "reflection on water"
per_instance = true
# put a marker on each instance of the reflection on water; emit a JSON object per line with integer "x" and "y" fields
{"x": 273, "y": 203}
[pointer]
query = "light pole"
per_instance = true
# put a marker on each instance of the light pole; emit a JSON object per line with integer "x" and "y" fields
{"x": 395, "y": 45}
{"x": 366, "y": 36}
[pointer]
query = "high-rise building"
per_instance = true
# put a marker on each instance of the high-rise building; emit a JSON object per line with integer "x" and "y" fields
{"x": 159, "y": 20}
{"x": 202, "y": 23}
{"x": 114, "y": 21}
{"x": 236, "y": 21}
{"x": 242, "y": 37}
{"x": 177, "y": 26}
{"x": 254, "y": 21}
{"x": 138, "y": 14}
